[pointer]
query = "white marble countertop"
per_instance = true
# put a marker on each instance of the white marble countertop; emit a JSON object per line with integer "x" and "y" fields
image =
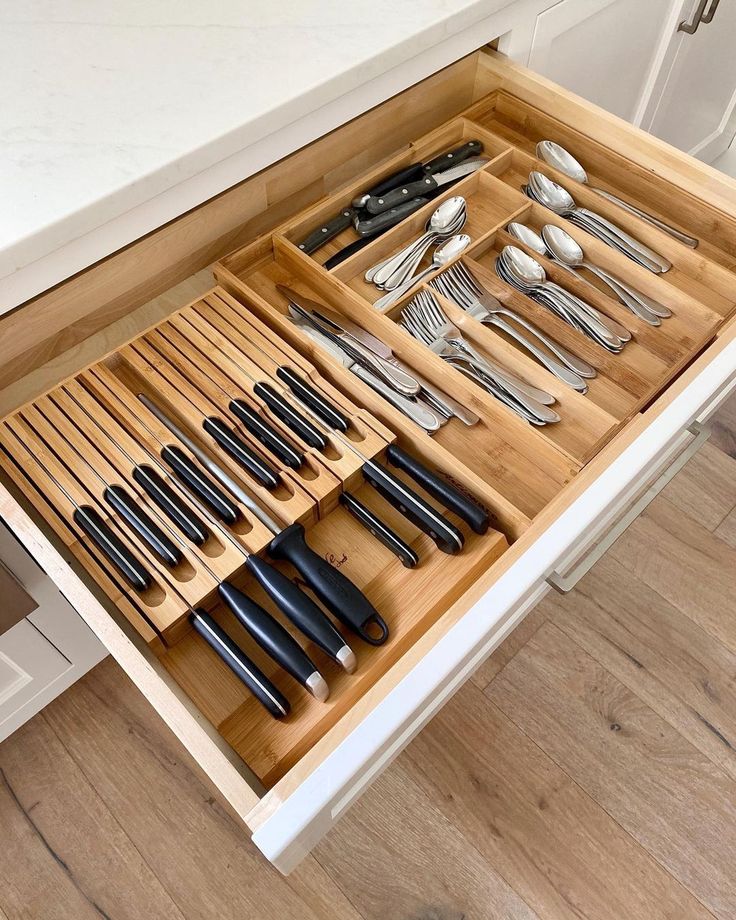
{"x": 107, "y": 108}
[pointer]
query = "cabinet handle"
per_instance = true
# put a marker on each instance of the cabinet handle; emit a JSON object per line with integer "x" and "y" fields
{"x": 565, "y": 583}
{"x": 708, "y": 17}
{"x": 692, "y": 27}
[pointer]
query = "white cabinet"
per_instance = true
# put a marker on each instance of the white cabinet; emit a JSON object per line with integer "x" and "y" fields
{"x": 603, "y": 50}
{"x": 46, "y": 651}
{"x": 693, "y": 97}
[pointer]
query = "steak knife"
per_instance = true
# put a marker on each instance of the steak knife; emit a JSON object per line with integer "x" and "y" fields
{"x": 376, "y": 204}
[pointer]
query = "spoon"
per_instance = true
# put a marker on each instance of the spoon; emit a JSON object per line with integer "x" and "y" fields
{"x": 442, "y": 256}
{"x": 553, "y": 196}
{"x": 528, "y": 236}
{"x": 568, "y": 252}
{"x": 565, "y": 162}
{"x": 443, "y": 220}
{"x": 533, "y": 275}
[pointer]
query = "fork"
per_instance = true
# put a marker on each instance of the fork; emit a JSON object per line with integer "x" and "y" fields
{"x": 424, "y": 320}
{"x": 460, "y": 286}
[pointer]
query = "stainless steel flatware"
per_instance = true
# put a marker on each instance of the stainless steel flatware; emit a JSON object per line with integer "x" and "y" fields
{"x": 444, "y": 254}
{"x": 552, "y": 195}
{"x": 561, "y": 159}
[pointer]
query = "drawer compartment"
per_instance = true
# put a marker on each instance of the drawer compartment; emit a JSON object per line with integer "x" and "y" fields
{"x": 542, "y": 486}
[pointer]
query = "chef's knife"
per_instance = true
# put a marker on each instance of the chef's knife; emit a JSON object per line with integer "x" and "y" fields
{"x": 241, "y": 452}
{"x": 157, "y": 489}
{"x": 264, "y": 432}
{"x": 380, "y": 530}
{"x": 379, "y": 203}
{"x": 198, "y": 481}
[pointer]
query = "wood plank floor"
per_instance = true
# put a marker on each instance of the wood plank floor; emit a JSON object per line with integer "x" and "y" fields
{"x": 588, "y": 770}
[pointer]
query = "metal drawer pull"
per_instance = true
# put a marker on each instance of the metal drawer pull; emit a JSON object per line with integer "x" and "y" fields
{"x": 692, "y": 27}
{"x": 708, "y": 17}
{"x": 565, "y": 583}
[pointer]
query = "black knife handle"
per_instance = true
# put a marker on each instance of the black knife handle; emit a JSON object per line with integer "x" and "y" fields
{"x": 397, "y": 493}
{"x": 372, "y": 226}
{"x": 168, "y": 501}
{"x": 327, "y": 231}
{"x": 401, "y": 177}
{"x": 297, "y": 606}
{"x": 142, "y": 523}
{"x": 269, "y": 634}
{"x": 197, "y": 480}
{"x": 282, "y": 409}
{"x": 346, "y": 252}
{"x": 112, "y": 547}
{"x": 334, "y": 589}
{"x": 451, "y": 158}
{"x": 311, "y": 397}
{"x": 240, "y": 664}
{"x": 240, "y": 451}
{"x": 264, "y": 432}
{"x": 378, "y": 204}
{"x": 380, "y": 530}
{"x": 464, "y": 507}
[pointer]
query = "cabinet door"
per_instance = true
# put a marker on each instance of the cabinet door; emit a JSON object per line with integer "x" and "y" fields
{"x": 600, "y": 49}
{"x": 693, "y": 99}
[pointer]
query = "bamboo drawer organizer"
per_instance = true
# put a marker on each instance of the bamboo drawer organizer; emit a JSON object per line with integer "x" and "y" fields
{"x": 203, "y": 355}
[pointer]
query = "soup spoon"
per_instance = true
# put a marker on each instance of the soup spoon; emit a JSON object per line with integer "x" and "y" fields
{"x": 442, "y": 256}
{"x": 565, "y": 162}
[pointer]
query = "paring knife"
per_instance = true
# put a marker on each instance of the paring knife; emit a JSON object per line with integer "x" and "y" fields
{"x": 377, "y": 204}
{"x": 383, "y": 351}
{"x": 350, "y": 215}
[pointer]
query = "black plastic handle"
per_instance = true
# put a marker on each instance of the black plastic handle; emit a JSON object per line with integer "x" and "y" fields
{"x": 334, "y": 589}
{"x": 372, "y": 226}
{"x": 197, "y": 480}
{"x": 311, "y": 397}
{"x": 379, "y": 204}
{"x": 300, "y": 425}
{"x": 147, "y": 529}
{"x": 298, "y": 607}
{"x": 328, "y": 231}
{"x": 240, "y": 664}
{"x": 240, "y": 451}
{"x": 347, "y": 251}
{"x": 157, "y": 489}
{"x": 112, "y": 547}
{"x": 270, "y": 635}
{"x": 271, "y": 439}
{"x": 464, "y": 506}
{"x": 451, "y": 158}
{"x": 400, "y": 177}
{"x": 380, "y": 530}
{"x": 423, "y": 515}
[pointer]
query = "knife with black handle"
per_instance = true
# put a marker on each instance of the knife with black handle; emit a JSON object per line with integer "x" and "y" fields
{"x": 335, "y": 590}
{"x": 377, "y": 204}
{"x": 274, "y": 640}
{"x": 302, "y": 611}
{"x": 112, "y": 547}
{"x": 157, "y": 489}
{"x": 379, "y": 529}
{"x": 202, "y": 486}
{"x": 369, "y": 228}
{"x": 241, "y": 452}
{"x": 464, "y": 507}
{"x": 311, "y": 397}
{"x": 240, "y": 664}
{"x": 141, "y": 523}
{"x": 290, "y": 416}
{"x": 397, "y": 493}
{"x": 469, "y": 149}
{"x": 264, "y": 432}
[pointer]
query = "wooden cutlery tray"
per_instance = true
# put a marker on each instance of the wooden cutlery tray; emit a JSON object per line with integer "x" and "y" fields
{"x": 194, "y": 362}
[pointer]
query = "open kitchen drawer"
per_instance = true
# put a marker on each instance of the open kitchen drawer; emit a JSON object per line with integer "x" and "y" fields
{"x": 552, "y": 492}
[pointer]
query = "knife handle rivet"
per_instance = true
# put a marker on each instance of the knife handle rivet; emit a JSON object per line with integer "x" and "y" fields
{"x": 324, "y": 229}
{"x": 427, "y": 181}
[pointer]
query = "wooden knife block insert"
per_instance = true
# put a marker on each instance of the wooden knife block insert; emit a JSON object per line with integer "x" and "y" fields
{"x": 209, "y": 353}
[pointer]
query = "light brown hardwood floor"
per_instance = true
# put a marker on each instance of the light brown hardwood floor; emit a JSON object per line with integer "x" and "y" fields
{"x": 588, "y": 770}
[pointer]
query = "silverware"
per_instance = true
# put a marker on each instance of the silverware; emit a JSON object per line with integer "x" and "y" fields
{"x": 445, "y": 253}
{"x": 460, "y": 286}
{"x": 552, "y": 195}
{"x": 442, "y": 402}
{"x": 567, "y": 252}
{"x": 565, "y": 162}
{"x": 423, "y": 318}
{"x": 376, "y": 204}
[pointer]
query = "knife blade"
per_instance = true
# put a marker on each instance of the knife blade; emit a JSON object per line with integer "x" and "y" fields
{"x": 376, "y": 204}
